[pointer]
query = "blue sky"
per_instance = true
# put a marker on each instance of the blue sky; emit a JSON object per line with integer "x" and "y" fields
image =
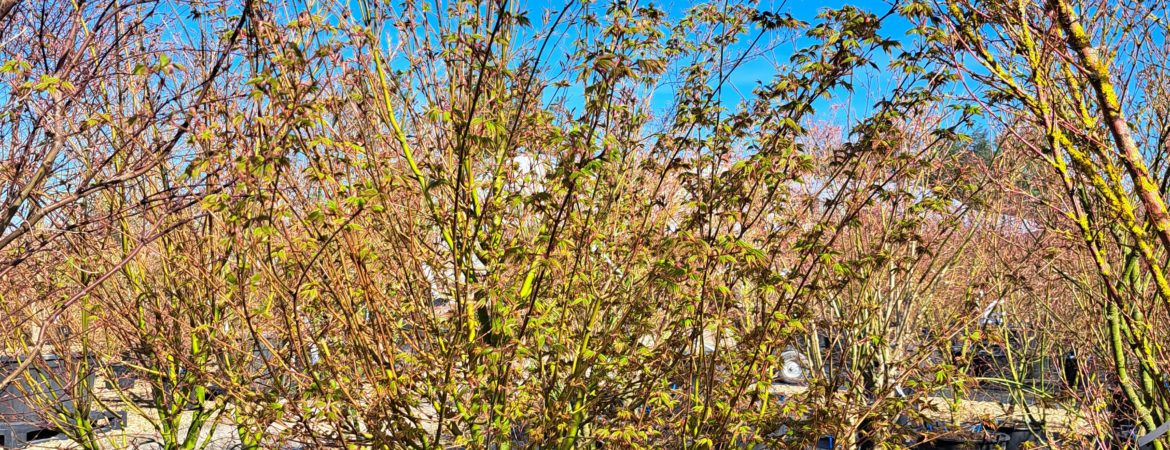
{"x": 859, "y": 102}
{"x": 764, "y": 67}
{"x": 747, "y": 77}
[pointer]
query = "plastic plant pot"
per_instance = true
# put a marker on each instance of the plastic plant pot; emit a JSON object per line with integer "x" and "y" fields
{"x": 1071, "y": 370}
{"x": 941, "y": 436}
{"x": 23, "y": 418}
{"x": 17, "y": 400}
{"x": 123, "y": 376}
{"x": 1019, "y": 432}
{"x": 995, "y": 441}
{"x": 1124, "y": 436}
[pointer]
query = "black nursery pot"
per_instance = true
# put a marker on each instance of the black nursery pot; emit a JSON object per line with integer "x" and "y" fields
{"x": 1020, "y": 432}
{"x": 1123, "y": 436}
{"x": 997, "y": 441}
{"x": 17, "y": 399}
{"x": 124, "y": 376}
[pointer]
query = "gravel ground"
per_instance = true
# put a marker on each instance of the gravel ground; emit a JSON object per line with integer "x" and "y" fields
{"x": 992, "y": 406}
{"x": 138, "y": 432}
